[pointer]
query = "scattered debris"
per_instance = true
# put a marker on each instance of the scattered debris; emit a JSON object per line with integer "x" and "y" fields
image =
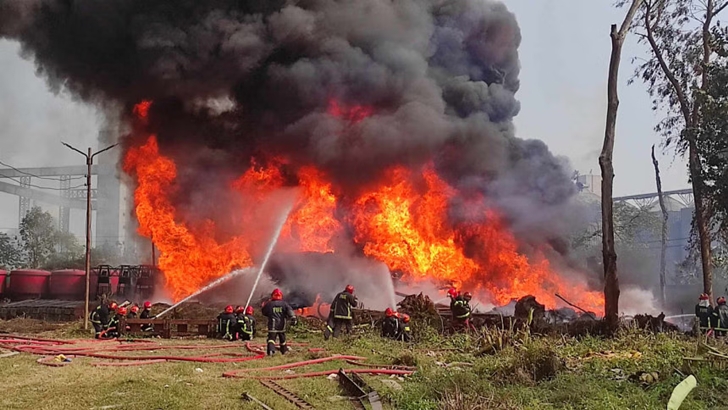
{"x": 198, "y": 370}
{"x": 680, "y": 392}
{"x": 356, "y": 387}
{"x": 655, "y": 324}
{"x": 248, "y": 397}
{"x": 286, "y": 394}
{"x": 392, "y": 384}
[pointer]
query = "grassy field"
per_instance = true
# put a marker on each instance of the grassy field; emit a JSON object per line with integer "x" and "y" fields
{"x": 496, "y": 370}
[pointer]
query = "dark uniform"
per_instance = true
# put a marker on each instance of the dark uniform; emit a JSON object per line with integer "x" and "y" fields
{"x": 100, "y": 318}
{"x": 146, "y": 314}
{"x": 246, "y": 327}
{"x": 277, "y": 312}
{"x": 704, "y": 314}
{"x": 405, "y": 333}
{"x": 720, "y": 313}
{"x": 226, "y": 323}
{"x": 113, "y": 329}
{"x": 390, "y": 325}
{"x": 341, "y": 306}
{"x": 329, "y": 325}
{"x": 460, "y": 309}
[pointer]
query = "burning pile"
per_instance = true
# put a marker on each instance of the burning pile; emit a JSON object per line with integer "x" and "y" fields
{"x": 390, "y": 121}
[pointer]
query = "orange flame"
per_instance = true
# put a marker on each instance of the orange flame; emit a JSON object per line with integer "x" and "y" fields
{"x": 402, "y": 221}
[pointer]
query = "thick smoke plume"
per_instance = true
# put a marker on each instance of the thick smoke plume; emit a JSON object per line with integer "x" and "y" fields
{"x": 233, "y": 80}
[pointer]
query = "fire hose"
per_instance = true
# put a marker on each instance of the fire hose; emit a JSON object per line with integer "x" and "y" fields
{"x": 102, "y": 349}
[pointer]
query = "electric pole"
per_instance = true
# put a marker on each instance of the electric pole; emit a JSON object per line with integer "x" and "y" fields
{"x": 89, "y": 161}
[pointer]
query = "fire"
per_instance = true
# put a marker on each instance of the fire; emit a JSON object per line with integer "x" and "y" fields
{"x": 319, "y": 309}
{"x": 401, "y": 221}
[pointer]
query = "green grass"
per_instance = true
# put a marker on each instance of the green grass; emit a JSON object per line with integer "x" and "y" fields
{"x": 527, "y": 372}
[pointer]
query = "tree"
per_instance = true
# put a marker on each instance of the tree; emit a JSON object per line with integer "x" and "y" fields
{"x": 663, "y": 236}
{"x": 679, "y": 34}
{"x": 11, "y": 256}
{"x": 38, "y": 232}
{"x": 609, "y": 255}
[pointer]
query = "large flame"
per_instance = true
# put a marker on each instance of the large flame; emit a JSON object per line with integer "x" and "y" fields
{"x": 402, "y": 221}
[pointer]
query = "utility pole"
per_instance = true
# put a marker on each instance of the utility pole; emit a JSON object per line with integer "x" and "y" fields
{"x": 89, "y": 161}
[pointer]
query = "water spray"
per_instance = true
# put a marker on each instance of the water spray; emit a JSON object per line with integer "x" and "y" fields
{"x": 235, "y": 273}
{"x": 272, "y": 245}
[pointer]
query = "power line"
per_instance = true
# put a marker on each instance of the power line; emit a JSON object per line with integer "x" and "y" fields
{"x": 45, "y": 187}
{"x": 38, "y": 176}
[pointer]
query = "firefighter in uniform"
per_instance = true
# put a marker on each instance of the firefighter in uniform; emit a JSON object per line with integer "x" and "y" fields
{"x": 390, "y": 324}
{"x": 113, "y": 330}
{"x": 341, "y": 306}
{"x": 246, "y": 324}
{"x": 704, "y": 312}
{"x": 100, "y": 318}
{"x": 405, "y": 334}
{"x": 720, "y": 313}
{"x": 278, "y": 312}
{"x": 133, "y": 312}
{"x": 329, "y": 324}
{"x": 226, "y": 323}
{"x": 460, "y": 308}
{"x": 147, "y": 314}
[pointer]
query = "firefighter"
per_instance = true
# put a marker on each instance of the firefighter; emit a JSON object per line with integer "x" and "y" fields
{"x": 226, "y": 323}
{"x": 278, "y": 312}
{"x": 147, "y": 314}
{"x": 720, "y": 313}
{"x": 405, "y": 334}
{"x": 113, "y": 330}
{"x": 133, "y": 312}
{"x": 246, "y": 324}
{"x": 460, "y": 308}
{"x": 100, "y": 318}
{"x": 704, "y": 312}
{"x": 341, "y": 306}
{"x": 390, "y": 324}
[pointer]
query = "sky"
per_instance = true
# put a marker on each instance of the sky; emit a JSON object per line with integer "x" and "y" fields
{"x": 564, "y": 57}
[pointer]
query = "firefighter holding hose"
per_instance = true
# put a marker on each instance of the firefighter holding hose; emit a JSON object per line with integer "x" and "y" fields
{"x": 246, "y": 324}
{"x": 101, "y": 317}
{"x": 390, "y": 324}
{"x": 341, "y": 306}
{"x": 226, "y": 322}
{"x": 278, "y": 312}
{"x": 147, "y": 314}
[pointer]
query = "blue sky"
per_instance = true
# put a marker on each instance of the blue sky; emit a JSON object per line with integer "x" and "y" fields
{"x": 564, "y": 57}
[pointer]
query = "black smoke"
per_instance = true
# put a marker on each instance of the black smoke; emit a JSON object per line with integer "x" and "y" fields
{"x": 233, "y": 79}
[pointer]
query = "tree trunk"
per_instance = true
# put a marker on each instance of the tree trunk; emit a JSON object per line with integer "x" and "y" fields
{"x": 701, "y": 219}
{"x": 609, "y": 255}
{"x": 611, "y": 280}
{"x": 663, "y": 241}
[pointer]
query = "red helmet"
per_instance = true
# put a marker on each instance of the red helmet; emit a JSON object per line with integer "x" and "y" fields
{"x": 147, "y": 305}
{"x": 277, "y": 294}
{"x": 452, "y": 292}
{"x": 704, "y": 296}
{"x": 388, "y": 312}
{"x": 113, "y": 306}
{"x": 467, "y": 295}
{"x": 405, "y": 318}
{"x": 134, "y": 309}
{"x": 239, "y": 309}
{"x": 721, "y": 300}
{"x": 249, "y": 310}
{"x": 349, "y": 289}
{"x": 121, "y": 311}
{"x": 229, "y": 309}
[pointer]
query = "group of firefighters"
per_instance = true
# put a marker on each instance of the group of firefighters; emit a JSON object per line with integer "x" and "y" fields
{"x": 107, "y": 316}
{"x": 239, "y": 323}
{"x": 711, "y": 318}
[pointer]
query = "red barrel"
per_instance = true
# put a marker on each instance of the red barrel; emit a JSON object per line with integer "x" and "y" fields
{"x": 3, "y": 277}
{"x": 68, "y": 284}
{"x": 28, "y": 284}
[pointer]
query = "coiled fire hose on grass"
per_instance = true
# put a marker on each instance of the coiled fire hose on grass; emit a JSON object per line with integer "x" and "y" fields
{"x": 103, "y": 349}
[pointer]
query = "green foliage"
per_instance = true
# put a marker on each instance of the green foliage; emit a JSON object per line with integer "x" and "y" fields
{"x": 11, "y": 255}
{"x": 38, "y": 231}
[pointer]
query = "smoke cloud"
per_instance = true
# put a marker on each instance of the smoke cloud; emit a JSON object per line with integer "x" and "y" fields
{"x": 235, "y": 79}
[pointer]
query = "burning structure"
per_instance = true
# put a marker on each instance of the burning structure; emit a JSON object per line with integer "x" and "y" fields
{"x": 391, "y": 123}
